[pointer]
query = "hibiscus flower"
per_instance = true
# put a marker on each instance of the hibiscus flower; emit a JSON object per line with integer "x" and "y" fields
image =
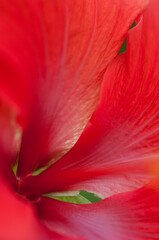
{"x": 63, "y": 131}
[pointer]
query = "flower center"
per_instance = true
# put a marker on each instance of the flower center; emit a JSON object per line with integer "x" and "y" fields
{"x": 21, "y": 191}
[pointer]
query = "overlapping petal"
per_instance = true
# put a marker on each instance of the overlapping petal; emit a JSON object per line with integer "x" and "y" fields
{"x": 19, "y": 220}
{"x": 122, "y": 137}
{"x": 53, "y": 55}
{"x": 46, "y": 85}
{"x": 125, "y": 216}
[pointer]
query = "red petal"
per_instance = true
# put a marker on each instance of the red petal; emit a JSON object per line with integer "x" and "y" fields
{"x": 106, "y": 186}
{"x": 85, "y": 162}
{"x": 18, "y": 220}
{"x": 53, "y": 55}
{"x": 127, "y": 216}
{"x": 8, "y": 143}
{"x": 124, "y": 136}
{"x": 130, "y": 111}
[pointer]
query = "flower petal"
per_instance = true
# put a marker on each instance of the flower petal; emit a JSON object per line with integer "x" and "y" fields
{"x": 88, "y": 161}
{"x": 53, "y": 56}
{"x": 106, "y": 186}
{"x": 17, "y": 219}
{"x": 124, "y": 135}
{"x": 131, "y": 216}
{"x": 8, "y": 143}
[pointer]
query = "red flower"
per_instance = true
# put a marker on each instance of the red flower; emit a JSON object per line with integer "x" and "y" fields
{"x": 54, "y": 57}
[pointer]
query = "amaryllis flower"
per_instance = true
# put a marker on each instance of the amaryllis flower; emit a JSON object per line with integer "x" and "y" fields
{"x": 63, "y": 131}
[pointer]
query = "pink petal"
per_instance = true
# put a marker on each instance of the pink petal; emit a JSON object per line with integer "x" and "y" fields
{"x": 124, "y": 135}
{"x": 53, "y": 55}
{"x": 106, "y": 186}
{"x": 126, "y": 216}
